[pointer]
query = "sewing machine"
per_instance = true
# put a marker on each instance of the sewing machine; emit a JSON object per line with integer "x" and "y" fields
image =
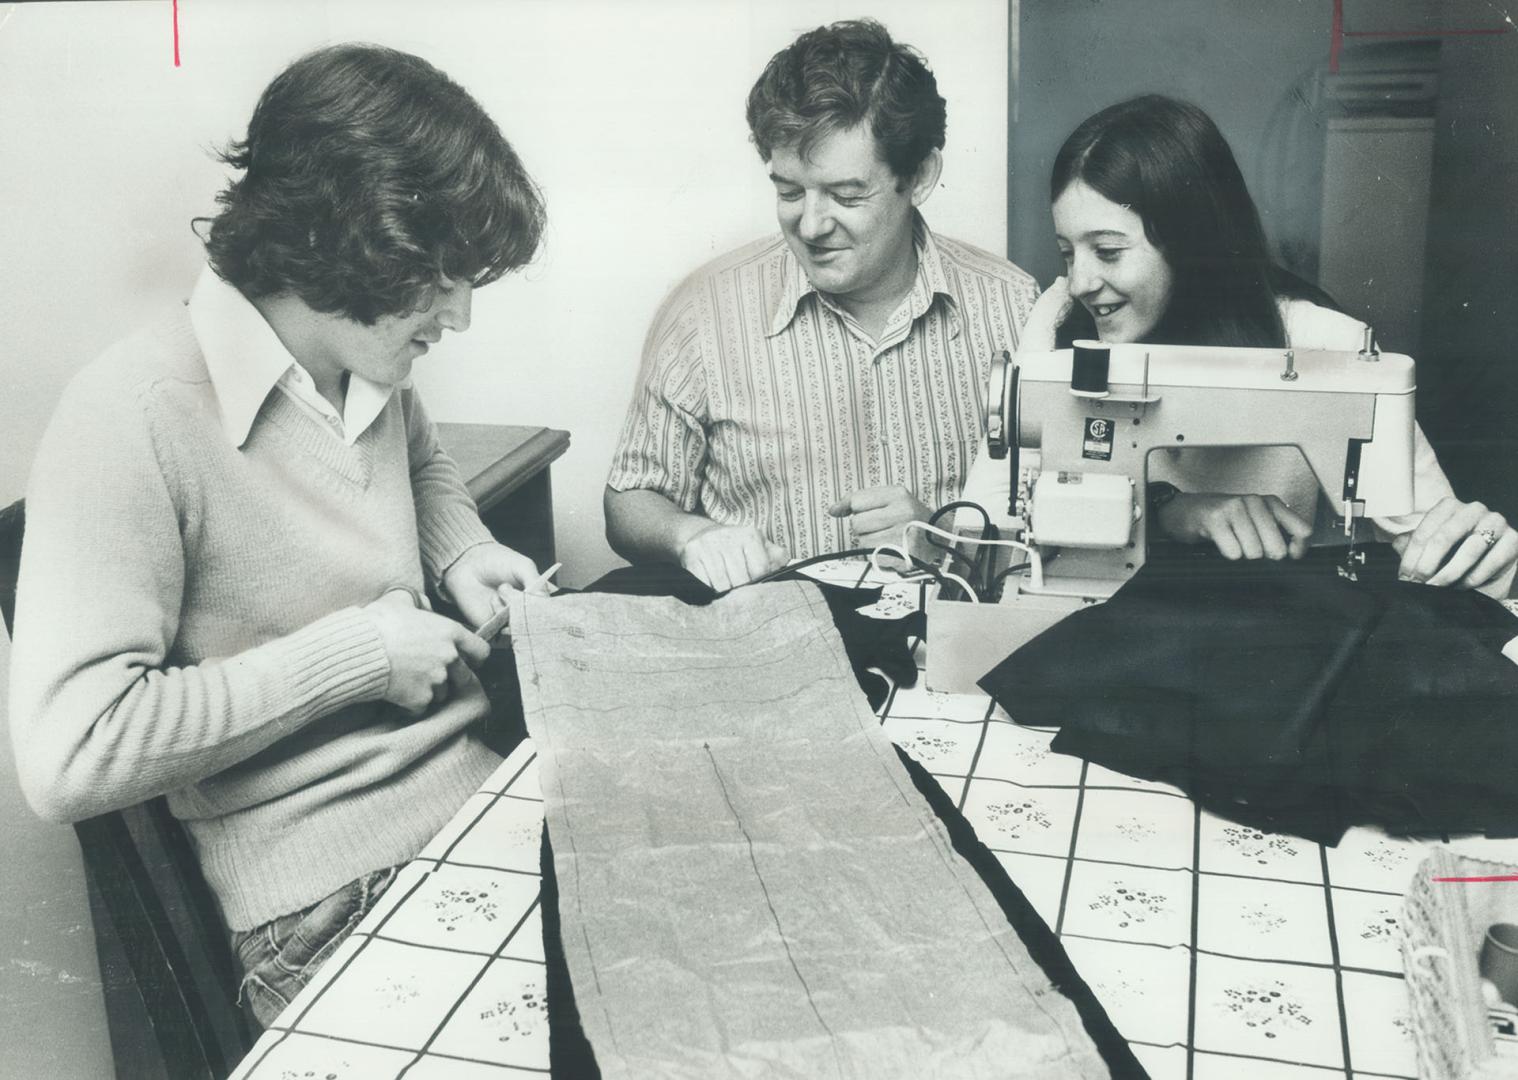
{"x": 1071, "y": 433}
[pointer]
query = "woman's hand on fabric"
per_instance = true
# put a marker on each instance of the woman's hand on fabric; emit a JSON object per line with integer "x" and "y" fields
{"x": 1462, "y": 544}
{"x": 428, "y": 653}
{"x": 1239, "y": 526}
{"x": 1049, "y": 313}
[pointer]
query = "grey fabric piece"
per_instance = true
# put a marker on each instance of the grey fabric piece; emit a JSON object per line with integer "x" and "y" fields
{"x": 749, "y": 883}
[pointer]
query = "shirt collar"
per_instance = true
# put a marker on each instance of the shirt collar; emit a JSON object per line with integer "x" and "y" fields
{"x": 245, "y": 360}
{"x": 930, "y": 281}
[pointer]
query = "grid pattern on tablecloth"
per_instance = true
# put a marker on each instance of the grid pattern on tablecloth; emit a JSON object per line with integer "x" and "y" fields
{"x": 1218, "y": 950}
{"x": 445, "y": 977}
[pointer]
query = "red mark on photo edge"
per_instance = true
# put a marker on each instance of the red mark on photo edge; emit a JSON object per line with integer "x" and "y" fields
{"x": 1335, "y": 40}
{"x": 176, "y": 33}
{"x": 1337, "y": 34}
{"x": 1492, "y": 877}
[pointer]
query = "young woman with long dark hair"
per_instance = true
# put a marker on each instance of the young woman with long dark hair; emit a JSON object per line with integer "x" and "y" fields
{"x": 1162, "y": 243}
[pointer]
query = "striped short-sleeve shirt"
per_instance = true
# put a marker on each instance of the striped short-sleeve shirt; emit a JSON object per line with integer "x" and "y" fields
{"x": 761, "y": 401}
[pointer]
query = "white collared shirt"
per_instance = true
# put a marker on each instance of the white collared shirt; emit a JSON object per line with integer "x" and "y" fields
{"x": 761, "y": 400}
{"x": 246, "y": 360}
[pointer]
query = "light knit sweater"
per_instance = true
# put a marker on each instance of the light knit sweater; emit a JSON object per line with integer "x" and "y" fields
{"x": 189, "y": 622}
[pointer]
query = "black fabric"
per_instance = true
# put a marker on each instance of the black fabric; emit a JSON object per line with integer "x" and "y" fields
{"x": 570, "y": 1056}
{"x": 505, "y": 726}
{"x": 655, "y": 579}
{"x": 884, "y": 644}
{"x": 1286, "y": 697}
{"x": 870, "y": 643}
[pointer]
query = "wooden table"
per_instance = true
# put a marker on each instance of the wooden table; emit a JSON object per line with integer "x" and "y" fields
{"x": 507, "y": 470}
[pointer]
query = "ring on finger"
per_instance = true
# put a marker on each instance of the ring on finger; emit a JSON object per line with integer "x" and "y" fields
{"x": 1488, "y": 536}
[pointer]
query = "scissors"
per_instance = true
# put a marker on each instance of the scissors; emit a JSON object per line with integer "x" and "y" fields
{"x": 495, "y": 626}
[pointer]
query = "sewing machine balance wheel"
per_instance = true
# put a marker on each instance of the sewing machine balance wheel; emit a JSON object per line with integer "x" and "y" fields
{"x": 1001, "y": 409}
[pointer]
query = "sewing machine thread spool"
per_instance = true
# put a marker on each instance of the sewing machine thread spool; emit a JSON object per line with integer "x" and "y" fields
{"x": 1088, "y": 371}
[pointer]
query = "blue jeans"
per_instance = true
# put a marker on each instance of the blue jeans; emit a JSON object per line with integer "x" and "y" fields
{"x": 280, "y": 957}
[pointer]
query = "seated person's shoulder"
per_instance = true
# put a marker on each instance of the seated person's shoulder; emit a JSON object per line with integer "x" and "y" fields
{"x": 766, "y": 253}
{"x": 980, "y": 261}
{"x": 735, "y": 270}
{"x": 159, "y": 360}
{"x": 1312, "y": 326}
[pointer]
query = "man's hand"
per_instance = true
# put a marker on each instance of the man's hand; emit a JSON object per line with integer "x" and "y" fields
{"x": 726, "y": 556}
{"x": 1241, "y": 526}
{"x": 428, "y": 653}
{"x": 878, "y": 515}
{"x": 477, "y": 582}
{"x": 1458, "y": 543}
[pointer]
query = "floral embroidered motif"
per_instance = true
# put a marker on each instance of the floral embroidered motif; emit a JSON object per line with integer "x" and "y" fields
{"x": 454, "y": 906}
{"x": 1011, "y": 818}
{"x": 1130, "y": 905}
{"x": 516, "y": 1016}
{"x": 1265, "y": 1006}
{"x": 1259, "y": 846}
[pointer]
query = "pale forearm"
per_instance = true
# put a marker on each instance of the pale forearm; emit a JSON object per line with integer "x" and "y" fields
{"x": 106, "y": 727}
{"x": 644, "y": 526}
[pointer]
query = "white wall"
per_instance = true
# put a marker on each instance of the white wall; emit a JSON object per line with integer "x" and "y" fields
{"x": 628, "y": 112}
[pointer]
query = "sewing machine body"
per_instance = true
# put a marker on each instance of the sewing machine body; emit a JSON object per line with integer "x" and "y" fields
{"x": 1075, "y": 462}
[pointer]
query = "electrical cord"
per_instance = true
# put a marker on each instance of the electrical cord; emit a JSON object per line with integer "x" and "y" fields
{"x": 996, "y": 585}
{"x": 1035, "y": 563}
{"x": 814, "y": 560}
{"x": 979, "y": 568}
{"x": 943, "y": 577}
{"x": 974, "y": 587}
{"x": 922, "y": 567}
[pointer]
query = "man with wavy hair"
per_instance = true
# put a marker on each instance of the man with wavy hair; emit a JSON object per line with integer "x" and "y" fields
{"x": 819, "y": 389}
{"x": 236, "y": 514}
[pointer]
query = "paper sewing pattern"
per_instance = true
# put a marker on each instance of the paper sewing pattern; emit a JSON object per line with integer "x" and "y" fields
{"x": 748, "y": 879}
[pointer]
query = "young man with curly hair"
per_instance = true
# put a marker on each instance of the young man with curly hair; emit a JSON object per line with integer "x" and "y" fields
{"x": 818, "y": 389}
{"x": 236, "y": 514}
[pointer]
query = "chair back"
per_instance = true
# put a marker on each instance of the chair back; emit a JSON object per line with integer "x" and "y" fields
{"x": 154, "y": 916}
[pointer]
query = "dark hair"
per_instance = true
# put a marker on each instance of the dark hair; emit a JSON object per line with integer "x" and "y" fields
{"x": 835, "y": 77}
{"x": 1168, "y": 162}
{"x": 368, "y": 177}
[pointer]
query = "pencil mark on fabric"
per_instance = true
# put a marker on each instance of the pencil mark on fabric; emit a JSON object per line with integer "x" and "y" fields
{"x": 774, "y": 916}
